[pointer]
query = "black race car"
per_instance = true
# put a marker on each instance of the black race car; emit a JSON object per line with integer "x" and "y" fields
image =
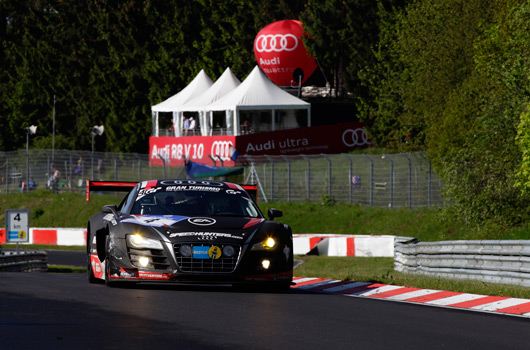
{"x": 187, "y": 231}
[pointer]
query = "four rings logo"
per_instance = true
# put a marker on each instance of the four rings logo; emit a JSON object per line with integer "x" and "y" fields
{"x": 355, "y": 137}
{"x": 202, "y": 221}
{"x": 221, "y": 149}
{"x": 276, "y": 43}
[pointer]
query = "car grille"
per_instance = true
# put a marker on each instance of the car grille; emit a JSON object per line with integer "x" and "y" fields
{"x": 158, "y": 260}
{"x": 220, "y": 265}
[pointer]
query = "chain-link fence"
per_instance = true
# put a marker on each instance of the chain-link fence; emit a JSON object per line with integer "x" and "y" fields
{"x": 398, "y": 180}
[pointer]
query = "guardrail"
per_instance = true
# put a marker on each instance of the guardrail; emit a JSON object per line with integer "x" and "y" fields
{"x": 506, "y": 261}
{"x": 23, "y": 260}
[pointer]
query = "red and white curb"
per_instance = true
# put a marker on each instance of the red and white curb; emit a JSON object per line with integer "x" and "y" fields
{"x": 53, "y": 236}
{"x": 473, "y": 302}
{"x": 344, "y": 245}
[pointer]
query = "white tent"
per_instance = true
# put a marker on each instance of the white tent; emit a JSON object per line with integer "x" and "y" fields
{"x": 198, "y": 86}
{"x": 225, "y": 84}
{"x": 257, "y": 92}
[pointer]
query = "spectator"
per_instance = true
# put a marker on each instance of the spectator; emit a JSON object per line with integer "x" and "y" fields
{"x": 192, "y": 126}
{"x": 186, "y": 125}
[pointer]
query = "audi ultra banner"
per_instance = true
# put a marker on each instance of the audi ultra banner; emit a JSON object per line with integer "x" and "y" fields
{"x": 327, "y": 139}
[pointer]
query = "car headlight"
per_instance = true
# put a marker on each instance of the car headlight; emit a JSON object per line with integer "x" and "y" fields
{"x": 267, "y": 244}
{"x": 138, "y": 241}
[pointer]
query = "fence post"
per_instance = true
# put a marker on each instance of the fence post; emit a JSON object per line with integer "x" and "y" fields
{"x": 288, "y": 177}
{"x": 429, "y": 181}
{"x": 308, "y": 178}
{"x": 371, "y": 179}
{"x": 329, "y": 174}
{"x": 272, "y": 176}
{"x": 391, "y": 205}
{"x": 350, "y": 177}
{"x": 7, "y": 173}
{"x": 115, "y": 169}
{"x": 410, "y": 179}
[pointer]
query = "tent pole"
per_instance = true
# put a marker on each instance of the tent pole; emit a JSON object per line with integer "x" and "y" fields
{"x": 237, "y": 127}
{"x": 273, "y": 120}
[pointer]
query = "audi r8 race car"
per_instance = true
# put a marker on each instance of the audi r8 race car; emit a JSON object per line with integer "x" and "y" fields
{"x": 187, "y": 231}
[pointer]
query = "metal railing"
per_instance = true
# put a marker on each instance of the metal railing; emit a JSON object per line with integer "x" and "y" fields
{"x": 503, "y": 261}
{"x": 392, "y": 181}
{"x": 23, "y": 260}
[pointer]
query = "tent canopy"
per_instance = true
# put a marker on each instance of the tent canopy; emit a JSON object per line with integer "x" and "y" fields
{"x": 197, "y": 87}
{"x": 225, "y": 84}
{"x": 256, "y": 92}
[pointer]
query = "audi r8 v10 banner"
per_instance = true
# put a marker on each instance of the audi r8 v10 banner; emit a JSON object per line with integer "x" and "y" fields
{"x": 327, "y": 139}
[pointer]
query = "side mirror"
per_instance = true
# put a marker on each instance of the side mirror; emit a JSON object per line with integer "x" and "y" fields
{"x": 274, "y": 213}
{"x": 110, "y": 209}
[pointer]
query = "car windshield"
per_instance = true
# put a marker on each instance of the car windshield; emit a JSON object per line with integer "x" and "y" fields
{"x": 195, "y": 203}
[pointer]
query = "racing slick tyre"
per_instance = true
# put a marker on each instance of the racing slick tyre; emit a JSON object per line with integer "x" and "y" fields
{"x": 108, "y": 282}
{"x": 90, "y": 273}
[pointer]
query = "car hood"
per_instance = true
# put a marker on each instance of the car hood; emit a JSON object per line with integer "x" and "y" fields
{"x": 191, "y": 229}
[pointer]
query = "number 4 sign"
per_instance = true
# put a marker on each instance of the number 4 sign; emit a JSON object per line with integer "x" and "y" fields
{"x": 17, "y": 225}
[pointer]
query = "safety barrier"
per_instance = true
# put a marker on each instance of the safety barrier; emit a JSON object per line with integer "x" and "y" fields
{"x": 505, "y": 261}
{"x": 23, "y": 260}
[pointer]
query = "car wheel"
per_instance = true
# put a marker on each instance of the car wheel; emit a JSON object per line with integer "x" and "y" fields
{"x": 90, "y": 273}
{"x": 108, "y": 282}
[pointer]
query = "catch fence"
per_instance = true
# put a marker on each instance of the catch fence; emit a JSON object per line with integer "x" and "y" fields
{"x": 393, "y": 181}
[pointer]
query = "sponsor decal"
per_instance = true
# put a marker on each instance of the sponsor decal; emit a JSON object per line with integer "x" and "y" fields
{"x": 127, "y": 274}
{"x": 214, "y": 252}
{"x": 253, "y": 222}
{"x": 155, "y": 220}
{"x": 357, "y": 137}
{"x": 204, "y": 235}
{"x": 191, "y": 182}
{"x": 221, "y": 149}
{"x": 202, "y": 221}
{"x": 143, "y": 192}
{"x": 276, "y": 43}
{"x": 96, "y": 266}
{"x": 271, "y": 144}
{"x": 192, "y": 188}
{"x": 233, "y": 192}
{"x": 153, "y": 276}
{"x": 287, "y": 252}
{"x": 201, "y": 252}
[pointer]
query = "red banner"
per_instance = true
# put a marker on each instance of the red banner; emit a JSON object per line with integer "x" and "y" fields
{"x": 327, "y": 139}
{"x": 173, "y": 150}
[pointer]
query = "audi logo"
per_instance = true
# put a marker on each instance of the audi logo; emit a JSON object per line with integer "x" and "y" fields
{"x": 276, "y": 43}
{"x": 202, "y": 221}
{"x": 221, "y": 149}
{"x": 355, "y": 137}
